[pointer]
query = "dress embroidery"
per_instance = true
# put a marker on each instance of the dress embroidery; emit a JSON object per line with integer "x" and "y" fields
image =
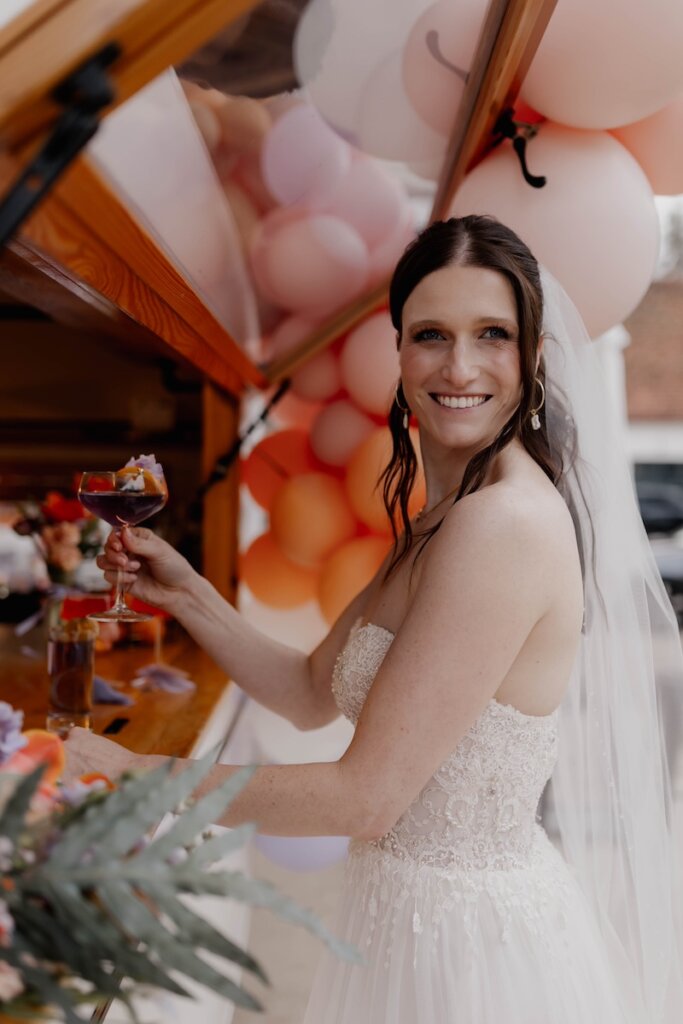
{"x": 472, "y": 833}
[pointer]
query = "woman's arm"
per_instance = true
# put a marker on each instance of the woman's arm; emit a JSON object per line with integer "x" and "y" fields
{"x": 282, "y": 678}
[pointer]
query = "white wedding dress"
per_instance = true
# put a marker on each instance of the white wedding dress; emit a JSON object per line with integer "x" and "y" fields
{"x": 465, "y": 912}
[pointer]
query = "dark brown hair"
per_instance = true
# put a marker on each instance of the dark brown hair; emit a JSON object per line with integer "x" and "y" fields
{"x": 473, "y": 241}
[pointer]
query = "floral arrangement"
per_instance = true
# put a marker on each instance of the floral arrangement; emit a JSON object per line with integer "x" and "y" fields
{"x": 63, "y": 531}
{"x": 91, "y": 903}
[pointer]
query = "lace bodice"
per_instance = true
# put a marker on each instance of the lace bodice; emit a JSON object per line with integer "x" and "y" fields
{"x": 478, "y": 811}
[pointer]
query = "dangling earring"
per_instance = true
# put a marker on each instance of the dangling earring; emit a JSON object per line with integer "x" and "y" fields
{"x": 404, "y": 408}
{"x": 535, "y": 418}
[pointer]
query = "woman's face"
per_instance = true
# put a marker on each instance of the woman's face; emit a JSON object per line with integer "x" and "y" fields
{"x": 459, "y": 356}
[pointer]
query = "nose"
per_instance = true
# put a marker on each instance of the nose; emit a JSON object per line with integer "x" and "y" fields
{"x": 460, "y": 367}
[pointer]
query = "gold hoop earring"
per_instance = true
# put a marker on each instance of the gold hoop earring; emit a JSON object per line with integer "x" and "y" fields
{"x": 535, "y": 418}
{"x": 404, "y": 408}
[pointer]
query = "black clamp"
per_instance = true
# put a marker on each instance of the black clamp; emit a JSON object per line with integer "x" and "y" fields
{"x": 519, "y": 133}
{"x": 84, "y": 94}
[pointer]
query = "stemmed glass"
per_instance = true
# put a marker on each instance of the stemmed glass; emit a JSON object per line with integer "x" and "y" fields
{"x": 122, "y": 498}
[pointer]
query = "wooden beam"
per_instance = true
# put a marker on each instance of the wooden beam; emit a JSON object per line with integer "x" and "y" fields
{"x": 221, "y": 502}
{"x": 508, "y": 41}
{"x": 152, "y": 34}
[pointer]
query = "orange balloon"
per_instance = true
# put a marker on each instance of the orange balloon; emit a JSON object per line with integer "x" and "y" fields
{"x": 347, "y": 571}
{"x": 293, "y": 411}
{"x": 363, "y": 473}
{"x": 274, "y": 461}
{"x": 273, "y": 579}
{"x": 310, "y": 518}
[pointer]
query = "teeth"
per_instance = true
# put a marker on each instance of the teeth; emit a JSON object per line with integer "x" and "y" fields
{"x": 460, "y": 403}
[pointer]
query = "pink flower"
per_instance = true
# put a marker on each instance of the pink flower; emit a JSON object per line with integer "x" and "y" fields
{"x": 6, "y": 925}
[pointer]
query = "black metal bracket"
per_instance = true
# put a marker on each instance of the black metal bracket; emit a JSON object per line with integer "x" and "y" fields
{"x": 519, "y": 133}
{"x": 84, "y": 94}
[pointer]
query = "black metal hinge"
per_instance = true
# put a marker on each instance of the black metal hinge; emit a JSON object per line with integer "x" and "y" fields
{"x": 84, "y": 94}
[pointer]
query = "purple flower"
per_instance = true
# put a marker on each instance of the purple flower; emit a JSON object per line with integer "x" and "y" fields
{"x": 11, "y": 739}
{"x": 149, "y": 463}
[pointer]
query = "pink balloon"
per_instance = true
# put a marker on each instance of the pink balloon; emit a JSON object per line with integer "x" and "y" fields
{"x": 607, "y": 64}
{"x": 385, "y": 256}
{"x": 657, "y": 144}
{"x": 337, "y": 432}
{"x": 369, "y": 364}
{"x": 438, "y": 57}
{"x": 319, "y": 378}
{"x": 370, "y": 200}
{"x": 594, "y": 225}
{"x": 311, "y": 264}
{"x": 303, "y": 160}
{"x": 289, "y": 333}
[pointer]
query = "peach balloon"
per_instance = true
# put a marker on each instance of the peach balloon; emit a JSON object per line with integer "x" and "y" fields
{"x": 657, "y": 144}
{"x": 302, "y": 159}
{"x": 246, "y": 172}
{"x": 347, "y": 572}
{"x": 311, "y": 265}
{"x": 319, "y": 378}
{"x": 437, "y": 59}
{"x": 244, "y": 123}
{"x": 310, "y": 518}
{"x": 208, "y": 124}
{"x": 594, "y": 225}
{"x": 272, "y": 578}
{"x": 607, "y": 64}
{"x": 274, "y": 460}
{"x": 338, "y": 431}
{"x": 365, "y": 467}
{"x": 370, "y": 200}
{"x": 369, "y": 364}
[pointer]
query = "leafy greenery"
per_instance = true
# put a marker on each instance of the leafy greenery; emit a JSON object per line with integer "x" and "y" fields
{"x": 95, "y": 900}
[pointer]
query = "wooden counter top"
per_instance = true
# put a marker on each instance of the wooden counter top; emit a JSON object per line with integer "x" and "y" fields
{"x": 158, "y": 723}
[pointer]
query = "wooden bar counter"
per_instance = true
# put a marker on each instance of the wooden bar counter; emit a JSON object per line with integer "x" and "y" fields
{"x": 157, "y": 723}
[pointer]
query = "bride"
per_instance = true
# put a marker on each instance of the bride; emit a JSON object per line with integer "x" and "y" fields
{"x": 506, "y": 639}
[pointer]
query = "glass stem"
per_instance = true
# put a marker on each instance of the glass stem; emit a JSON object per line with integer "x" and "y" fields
{"x": 119, "y": 592}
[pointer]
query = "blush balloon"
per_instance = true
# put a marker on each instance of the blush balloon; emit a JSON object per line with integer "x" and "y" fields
{"x": 594, "y": 225}
{"x": 370, "y": 200}
{"x": 347, "y": 572}
{"x": 208, "y": 124}
{"x": 302, "y": 159}
{"x": 386, "y": 255}
{"x": 311, "y": 517}
{"x": 624, "y": 67}
{"x": 312, "y": 265}
{"x": 244, "y": 124}
{"x": 273, "y": 579}
{"x": 369, "y": 364}
{"x": 362, "y": 476}
{"x": 656, "y": 142}
{"x": 289, "y": 334}
{"x": 337, "y": 432}
{"x": 319, "y": 378}
{"x": 437, "y": 59}
{"x": 275, "y": 460}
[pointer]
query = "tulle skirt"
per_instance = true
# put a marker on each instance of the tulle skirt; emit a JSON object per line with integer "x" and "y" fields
{"x": 513, "y": 946}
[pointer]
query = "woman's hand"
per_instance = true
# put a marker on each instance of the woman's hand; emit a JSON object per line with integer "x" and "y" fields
{"x": 86, "y": 752}
{"x": 152, "y": 570}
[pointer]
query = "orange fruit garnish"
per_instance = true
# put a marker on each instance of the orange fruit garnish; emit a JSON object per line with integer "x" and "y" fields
{"x": 152, "y": 483}
{"x": 45, "y": 748}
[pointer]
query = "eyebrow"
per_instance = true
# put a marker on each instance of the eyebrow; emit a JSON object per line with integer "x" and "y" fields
{"x": 503, "y": 321}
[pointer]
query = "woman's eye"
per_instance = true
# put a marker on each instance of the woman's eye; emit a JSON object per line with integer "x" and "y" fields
{"x": 497, "y": 333}
{"x": 427, "y": 334}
